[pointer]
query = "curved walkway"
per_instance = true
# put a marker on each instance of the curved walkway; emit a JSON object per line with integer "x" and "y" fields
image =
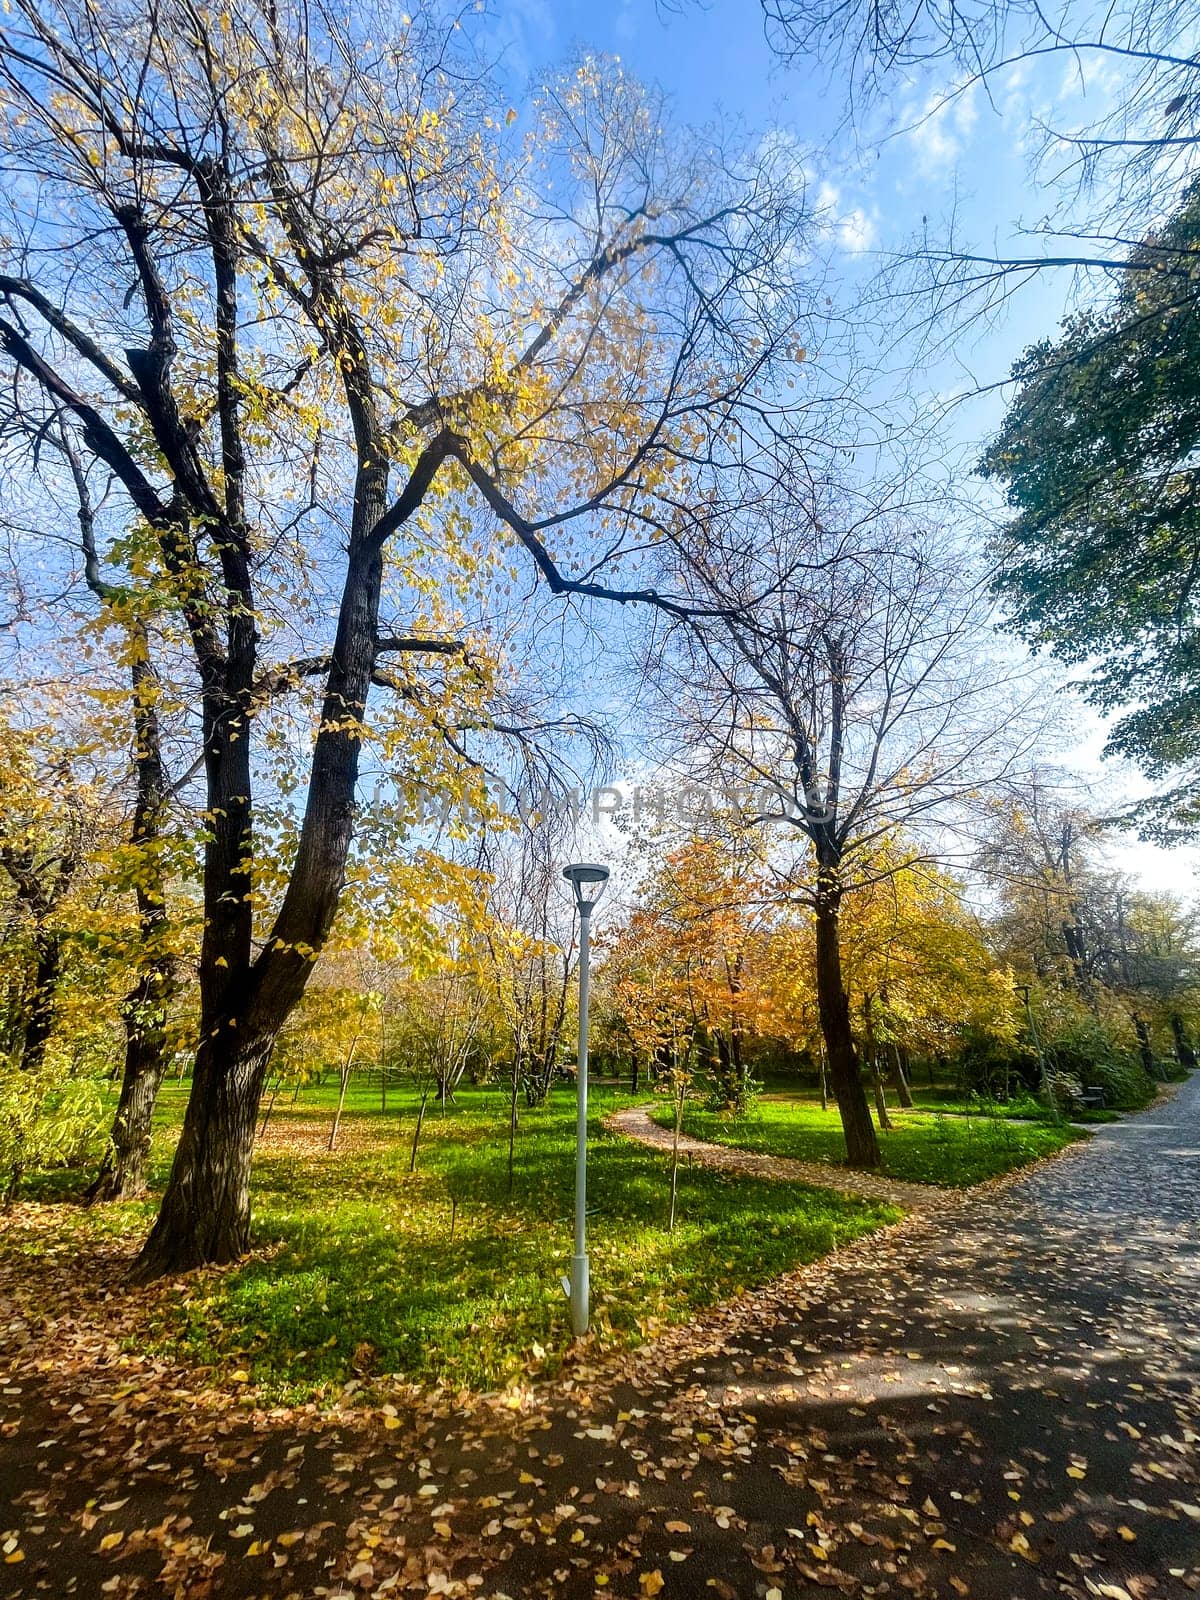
{"x": 635, "y": 1123}
{"x": 1004, "y": 1409}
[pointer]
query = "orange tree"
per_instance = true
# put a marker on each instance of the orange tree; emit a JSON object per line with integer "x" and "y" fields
{"x": 685, "y": 967}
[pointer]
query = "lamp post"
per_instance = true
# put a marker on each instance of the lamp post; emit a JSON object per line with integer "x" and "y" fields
{"x": 587, "y": 880}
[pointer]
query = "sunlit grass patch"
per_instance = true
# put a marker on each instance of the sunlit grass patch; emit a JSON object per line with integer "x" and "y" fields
{"x": 362, "y": 1269}
{"x": 952, "y": 1151}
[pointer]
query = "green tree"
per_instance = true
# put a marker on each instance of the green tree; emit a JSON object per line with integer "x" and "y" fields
{"x": 1097, "y": 455}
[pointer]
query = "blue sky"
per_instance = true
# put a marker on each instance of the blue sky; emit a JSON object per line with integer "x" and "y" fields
{"x": 920, "y": 156}
{"x": 923, "y": 155}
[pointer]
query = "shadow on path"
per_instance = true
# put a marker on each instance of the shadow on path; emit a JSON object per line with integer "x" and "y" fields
{"x": 1000, "y": 1401}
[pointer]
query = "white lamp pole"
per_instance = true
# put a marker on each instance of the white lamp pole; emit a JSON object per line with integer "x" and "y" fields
{"x": 587, "y": 880}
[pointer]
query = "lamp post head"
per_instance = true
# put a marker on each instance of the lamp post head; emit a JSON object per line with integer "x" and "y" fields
{"x": 587, "y": 880}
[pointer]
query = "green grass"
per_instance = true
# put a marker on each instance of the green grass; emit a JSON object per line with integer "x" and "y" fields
{"x": 951, "y": 1151}
{"x": 363, "y": 1270}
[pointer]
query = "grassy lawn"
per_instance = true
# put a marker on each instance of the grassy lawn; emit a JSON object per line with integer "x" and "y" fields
{"x": 362, "y": 1269}
{"x": 955, "y": 1100}
{"x": 949, "y": 1150}
{"x": 1023, "y": 1109}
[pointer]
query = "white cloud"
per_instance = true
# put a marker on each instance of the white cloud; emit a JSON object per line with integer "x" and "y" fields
{"x": 941, "y": 128}
{"x": 852, "y": 227}
{"x": 856, "y": 231}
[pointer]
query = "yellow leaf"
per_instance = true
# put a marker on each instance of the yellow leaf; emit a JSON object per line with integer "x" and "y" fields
{"x": 110, "y": 1541}
{"x": 651, "y": 1582}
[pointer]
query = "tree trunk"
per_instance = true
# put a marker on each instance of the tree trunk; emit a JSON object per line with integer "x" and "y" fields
{"x": 679, "y": 1093}
{"x": 412, "y": 1159}
{"x": 862, "y": 1147}
{"x": 881, "y": 1110}
{"x": 383, "y": 1060}
{"x": 40, "y": 1016}
{"x": 245, "y": 1000}
{"x": 899, "y": 1081}
{"x": 513, "y": 1116}
{"x": 345, "y": 1084}
{"x": 122, "y": 1174}
{"x": 205, "y": 1214}
{"x": 1183, "y": 1045}
{"x": 270, "y": 1106}
{"x": 1144, "y": 1046}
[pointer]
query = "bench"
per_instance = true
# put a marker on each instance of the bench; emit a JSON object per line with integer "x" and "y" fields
{"x": 1089, "y": 1099}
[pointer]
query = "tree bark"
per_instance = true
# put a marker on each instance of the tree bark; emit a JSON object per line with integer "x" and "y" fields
{"x": 679, "y": 1094}
{"x": 881, "y": 1110}
{"x": 271, "y": 1099}
{"x": 122, "y": 1173}
{"x": 833, "y": 1003}
{"x": 899, "y": 1080}
{"x": 1145, "y": 1049}
{"x": 205, "y": 1214}
{"x": 513, "y": 1118}
{"x": 416, "y": 1139}
{"x": 39, "y": 1023}
{"x": 1183, "y": 1045}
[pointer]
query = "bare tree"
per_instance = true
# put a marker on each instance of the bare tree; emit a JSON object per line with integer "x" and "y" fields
{"x": 531, "y": 948}
{"x": 1109, "y": 181}
{"x": 844, "y": 695}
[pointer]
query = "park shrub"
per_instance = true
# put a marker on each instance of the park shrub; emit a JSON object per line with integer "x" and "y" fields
{"x": 1095, "y": 1049}
{"x": 48, "y": 1119}
{"x": 994, "y": 1069}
